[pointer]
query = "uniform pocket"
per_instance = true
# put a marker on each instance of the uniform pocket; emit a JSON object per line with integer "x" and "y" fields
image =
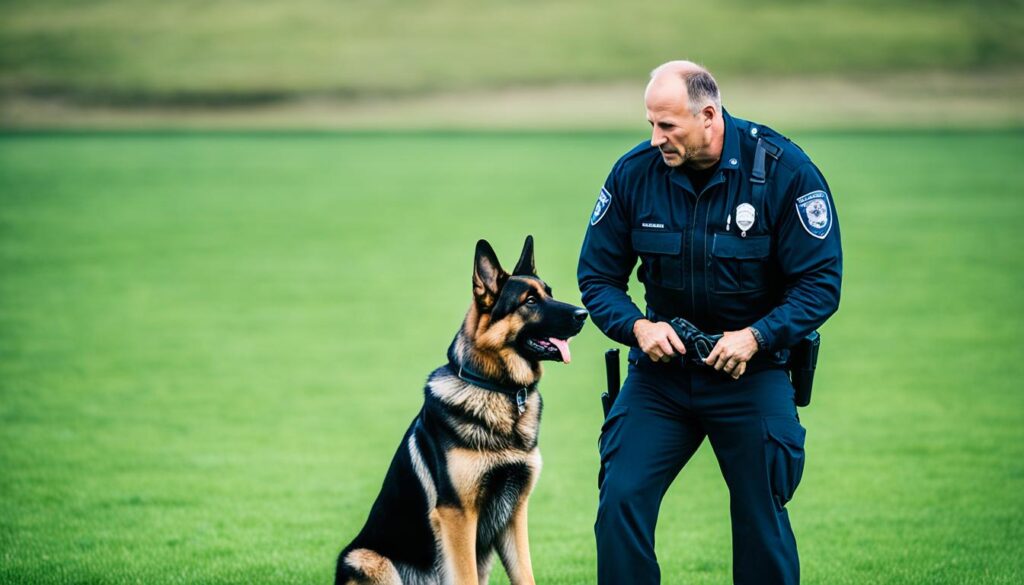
{"x": 660, "y": 252}
{"x": 738, "y": 265}
{"x": 784, "y": 456}
{"x": 608, "y": 443}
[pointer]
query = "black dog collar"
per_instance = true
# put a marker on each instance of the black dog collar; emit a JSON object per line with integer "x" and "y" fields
{"x": 467, "y": 375}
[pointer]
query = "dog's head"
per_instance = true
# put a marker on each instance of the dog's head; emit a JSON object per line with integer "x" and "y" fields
{"x": 514, "y": 322}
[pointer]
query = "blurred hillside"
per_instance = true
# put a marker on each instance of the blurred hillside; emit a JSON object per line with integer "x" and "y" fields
{"x": 117, "y": 54}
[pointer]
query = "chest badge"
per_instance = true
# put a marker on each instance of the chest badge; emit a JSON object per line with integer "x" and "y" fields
{"x": 745, "y": 216}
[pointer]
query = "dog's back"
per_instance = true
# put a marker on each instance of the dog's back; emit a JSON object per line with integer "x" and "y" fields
{"x": 397, "y": 532}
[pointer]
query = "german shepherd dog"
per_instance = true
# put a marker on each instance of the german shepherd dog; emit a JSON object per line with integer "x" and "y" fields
{"x": 456, "y": 490}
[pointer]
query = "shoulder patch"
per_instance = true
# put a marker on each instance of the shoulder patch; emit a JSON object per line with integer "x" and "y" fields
{"x": 814, "y": 212}
{"x": 604, "y": 201}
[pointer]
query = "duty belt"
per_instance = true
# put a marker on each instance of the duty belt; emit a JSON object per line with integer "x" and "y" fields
{"x": 699, "y": 345}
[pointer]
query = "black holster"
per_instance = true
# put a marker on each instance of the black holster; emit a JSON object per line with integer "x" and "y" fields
{"x": 611, "y": 368}
{"x": 803, "y": 359}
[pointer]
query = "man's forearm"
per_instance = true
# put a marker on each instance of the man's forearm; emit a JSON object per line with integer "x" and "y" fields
{"x": 612, "y": 310}
{"x": 802, "y": 312}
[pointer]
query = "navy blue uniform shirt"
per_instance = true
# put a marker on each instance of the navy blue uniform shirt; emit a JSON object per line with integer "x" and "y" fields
{"x": 734, "y": 255}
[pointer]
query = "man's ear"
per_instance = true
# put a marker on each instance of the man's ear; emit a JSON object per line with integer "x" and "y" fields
{"x": 708, "y": 115}
{"x": 525, "y": 266}
{"x": 488, "y": 277}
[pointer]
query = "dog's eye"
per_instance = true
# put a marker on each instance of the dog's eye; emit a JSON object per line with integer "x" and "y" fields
{"x": 530, "y": 300}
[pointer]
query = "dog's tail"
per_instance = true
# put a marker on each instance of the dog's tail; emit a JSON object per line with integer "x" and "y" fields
{"x": 362, "y": 566}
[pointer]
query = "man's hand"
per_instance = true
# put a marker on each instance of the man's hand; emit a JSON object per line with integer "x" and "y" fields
{"x": 732, "y": 352}
{"x": 658, "y": 340}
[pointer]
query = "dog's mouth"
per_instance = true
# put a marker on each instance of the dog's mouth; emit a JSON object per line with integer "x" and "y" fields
{"x": 551, "y": 348}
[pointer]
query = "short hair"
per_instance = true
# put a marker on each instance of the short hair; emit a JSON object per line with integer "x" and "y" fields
{"x": 701, "y": 87}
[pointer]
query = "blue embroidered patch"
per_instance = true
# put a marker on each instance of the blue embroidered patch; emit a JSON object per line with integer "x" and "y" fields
{"x": 604, "y": 201}
{"x": 813, "y": 209}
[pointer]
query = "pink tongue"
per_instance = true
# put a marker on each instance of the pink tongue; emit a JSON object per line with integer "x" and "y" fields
{"x": 563, "y": 348}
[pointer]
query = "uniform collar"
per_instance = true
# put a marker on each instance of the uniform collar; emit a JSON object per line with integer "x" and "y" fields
{"x": 731, "y": 157}
{"x": 730, "y": 160}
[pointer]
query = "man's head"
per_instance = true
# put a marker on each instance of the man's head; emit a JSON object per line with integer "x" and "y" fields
{"x": 684, "y": 109}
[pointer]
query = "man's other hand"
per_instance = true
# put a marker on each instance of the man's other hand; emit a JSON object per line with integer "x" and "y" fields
{"x": 658, "y": 340}
{"x": 732, "y": 352}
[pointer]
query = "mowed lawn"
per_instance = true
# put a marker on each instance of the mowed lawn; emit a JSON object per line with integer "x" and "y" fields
{"x": 211, "y": 344}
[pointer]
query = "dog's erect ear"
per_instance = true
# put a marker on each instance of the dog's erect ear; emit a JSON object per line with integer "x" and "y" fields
{"x": 525, "y": 266}
{"x": 488, "y": 277}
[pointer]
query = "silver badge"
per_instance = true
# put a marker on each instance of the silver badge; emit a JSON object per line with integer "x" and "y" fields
{"x": 745, "y": 216}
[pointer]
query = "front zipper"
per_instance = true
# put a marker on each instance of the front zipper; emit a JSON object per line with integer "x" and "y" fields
{"x": 693, "y": 231}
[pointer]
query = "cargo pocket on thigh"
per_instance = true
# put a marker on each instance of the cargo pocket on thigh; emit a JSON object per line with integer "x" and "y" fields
{"x": 784, "y": 455}
{"x": 607, "y": 444}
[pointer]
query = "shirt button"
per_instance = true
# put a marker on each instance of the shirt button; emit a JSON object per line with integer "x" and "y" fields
{"x": 753, "y": 131}
{"x": 732, "y": 161}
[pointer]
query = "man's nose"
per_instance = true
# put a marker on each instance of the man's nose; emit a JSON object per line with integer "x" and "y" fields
{"x": 657, "y": 138}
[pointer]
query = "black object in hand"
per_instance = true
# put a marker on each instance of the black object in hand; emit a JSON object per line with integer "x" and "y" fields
{"x": 698, "y": 344}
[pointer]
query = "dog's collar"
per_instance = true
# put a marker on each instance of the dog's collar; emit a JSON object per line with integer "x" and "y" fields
{"x": 466, "y": 374}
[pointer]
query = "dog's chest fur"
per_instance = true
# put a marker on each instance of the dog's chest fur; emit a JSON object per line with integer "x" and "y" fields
{"x": 485, "y": 420}
{"x": 493, "y": 460}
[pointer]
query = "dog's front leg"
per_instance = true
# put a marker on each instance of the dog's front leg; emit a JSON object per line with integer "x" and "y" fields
{"x": 484, "y": 568}
{"x": 514, "y": 548}
{"x": 458, "y": 542}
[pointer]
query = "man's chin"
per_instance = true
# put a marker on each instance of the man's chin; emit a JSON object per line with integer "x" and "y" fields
{"x": 672, "y": 160}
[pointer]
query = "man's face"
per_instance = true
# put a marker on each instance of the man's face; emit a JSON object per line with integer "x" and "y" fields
{"x": 679, "y": 134}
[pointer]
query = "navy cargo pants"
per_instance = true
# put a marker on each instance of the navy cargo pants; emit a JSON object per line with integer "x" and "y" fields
{"x": 661, "y": 416}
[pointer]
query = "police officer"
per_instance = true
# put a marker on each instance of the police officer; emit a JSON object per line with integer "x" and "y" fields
{"x": 736, "y": 232}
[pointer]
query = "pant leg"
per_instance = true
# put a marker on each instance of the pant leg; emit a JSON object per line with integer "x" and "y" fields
{"x": 648, "y": 437}
{"x": 759, "y": 443}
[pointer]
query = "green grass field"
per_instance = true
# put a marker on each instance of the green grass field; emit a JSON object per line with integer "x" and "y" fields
{"x": 210, "y": 345}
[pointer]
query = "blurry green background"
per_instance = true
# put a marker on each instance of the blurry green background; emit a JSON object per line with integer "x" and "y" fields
{"x": 235, "y": 238}
{"x": 542, "y": 64}
{"x": 192, "y": 50}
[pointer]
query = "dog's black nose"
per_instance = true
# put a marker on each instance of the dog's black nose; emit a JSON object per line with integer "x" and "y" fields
{"x": 580, "y": 315}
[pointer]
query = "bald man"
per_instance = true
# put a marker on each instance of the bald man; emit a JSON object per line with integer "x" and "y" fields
{"x": 736, "y": 232}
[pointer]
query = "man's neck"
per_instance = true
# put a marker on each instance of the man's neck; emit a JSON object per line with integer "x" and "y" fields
{"x": 710, "y": 156}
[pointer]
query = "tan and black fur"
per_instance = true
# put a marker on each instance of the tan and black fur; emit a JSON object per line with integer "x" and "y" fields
{"x": 457, "y": 489}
